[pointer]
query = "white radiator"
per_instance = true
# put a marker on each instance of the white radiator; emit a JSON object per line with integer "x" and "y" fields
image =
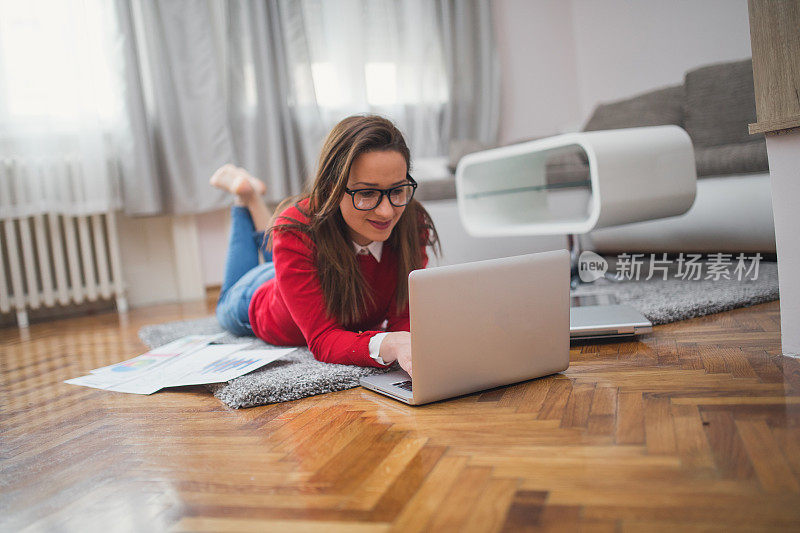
{"x": 53, "y": 254}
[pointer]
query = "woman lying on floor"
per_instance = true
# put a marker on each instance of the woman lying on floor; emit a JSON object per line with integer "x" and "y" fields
{"x": 337, "y": 258}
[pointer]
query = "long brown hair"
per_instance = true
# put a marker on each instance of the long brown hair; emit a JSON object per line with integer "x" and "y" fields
{"x": 343, "y": 286}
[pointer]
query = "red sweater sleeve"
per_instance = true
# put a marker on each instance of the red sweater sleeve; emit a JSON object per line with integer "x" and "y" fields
{"x": 327, "y": 339}
{"x": 402, "y": 321}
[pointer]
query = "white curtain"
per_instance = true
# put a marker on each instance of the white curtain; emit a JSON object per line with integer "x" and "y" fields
{"x": 272, "y": 138}
{"x": 375, "y": 56}
{"x": 61, "y": 113}
{"x": 175, "y": 99}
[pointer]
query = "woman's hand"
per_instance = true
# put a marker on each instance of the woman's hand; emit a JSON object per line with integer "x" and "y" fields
{"x": 396, "y": 346}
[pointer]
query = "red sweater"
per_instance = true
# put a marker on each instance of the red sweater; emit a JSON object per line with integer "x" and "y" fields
{"x": 289, "y": 310}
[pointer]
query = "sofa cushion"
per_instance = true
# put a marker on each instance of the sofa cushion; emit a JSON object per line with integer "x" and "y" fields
{"x": 730, "y": 159}
{"x": 461, "y": 147}
{"x": 654, "y": 108}
{"x": 436, "y": 189}
{"x": 569, "y": 167}
{"x": 720, "y": 103}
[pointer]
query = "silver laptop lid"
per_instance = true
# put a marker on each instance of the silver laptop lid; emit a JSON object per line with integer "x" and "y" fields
{"x": 489, "y": 323}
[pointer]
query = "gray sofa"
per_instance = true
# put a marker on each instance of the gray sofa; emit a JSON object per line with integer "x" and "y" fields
{"x": 732, "y": 211}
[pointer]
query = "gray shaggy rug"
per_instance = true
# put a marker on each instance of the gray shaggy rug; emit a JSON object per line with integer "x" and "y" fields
{"x": 291, "y": 377}
{"x": 298, "y": 374}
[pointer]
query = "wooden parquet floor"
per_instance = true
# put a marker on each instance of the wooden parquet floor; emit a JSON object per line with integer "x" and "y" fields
{"x": 695, "y": 427}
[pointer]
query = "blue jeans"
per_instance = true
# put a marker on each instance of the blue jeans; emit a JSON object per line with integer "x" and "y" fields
{"x": 243, "y": 273}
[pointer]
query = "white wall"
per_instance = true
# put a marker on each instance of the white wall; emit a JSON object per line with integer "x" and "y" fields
{"x": 148, "y": 260}
{"x": 539, "y": 80}
{"x": 213, "y": 229}
{"x": 159, "y": 262}
{"x": 624, "y": 47}
{"x": 560, "y": 58}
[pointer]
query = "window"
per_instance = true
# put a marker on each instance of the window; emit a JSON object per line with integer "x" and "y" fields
{"x": 56, "y": 65}
{"x": 61, "y": 104}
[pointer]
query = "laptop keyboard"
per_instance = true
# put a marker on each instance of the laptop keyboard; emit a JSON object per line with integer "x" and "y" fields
{"x": 405, "y": 385}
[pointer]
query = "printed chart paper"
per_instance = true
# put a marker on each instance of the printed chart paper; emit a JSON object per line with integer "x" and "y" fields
{"x": 166, "y": 375}
{"x": 159, "y": 355}
{"x": 232, "y": 366}
{"x": 191, "y": 360}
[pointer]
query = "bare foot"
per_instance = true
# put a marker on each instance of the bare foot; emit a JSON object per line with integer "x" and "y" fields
{"x": 231, "y": 178}
{"x": 243, "y": 189}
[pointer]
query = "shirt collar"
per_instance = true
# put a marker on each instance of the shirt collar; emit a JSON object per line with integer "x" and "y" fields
{"x": 375, "y": 248}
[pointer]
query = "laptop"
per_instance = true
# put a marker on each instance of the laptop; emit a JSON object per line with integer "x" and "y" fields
{"x": 601, "y": 317}
{"x": 480, "y": 325}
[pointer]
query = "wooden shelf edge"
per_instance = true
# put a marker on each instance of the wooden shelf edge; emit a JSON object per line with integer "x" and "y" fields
{"x": 775, "y": 125}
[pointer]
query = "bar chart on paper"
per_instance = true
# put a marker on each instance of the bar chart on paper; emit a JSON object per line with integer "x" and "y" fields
{"x": 232, "y": 366}
{"x": 227, "y": 364}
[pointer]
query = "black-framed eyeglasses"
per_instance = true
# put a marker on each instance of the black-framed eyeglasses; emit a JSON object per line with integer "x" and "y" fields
{"x": 369, "y": 199}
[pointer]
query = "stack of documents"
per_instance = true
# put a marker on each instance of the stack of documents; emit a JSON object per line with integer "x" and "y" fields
{"x": 192, "y": 360}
